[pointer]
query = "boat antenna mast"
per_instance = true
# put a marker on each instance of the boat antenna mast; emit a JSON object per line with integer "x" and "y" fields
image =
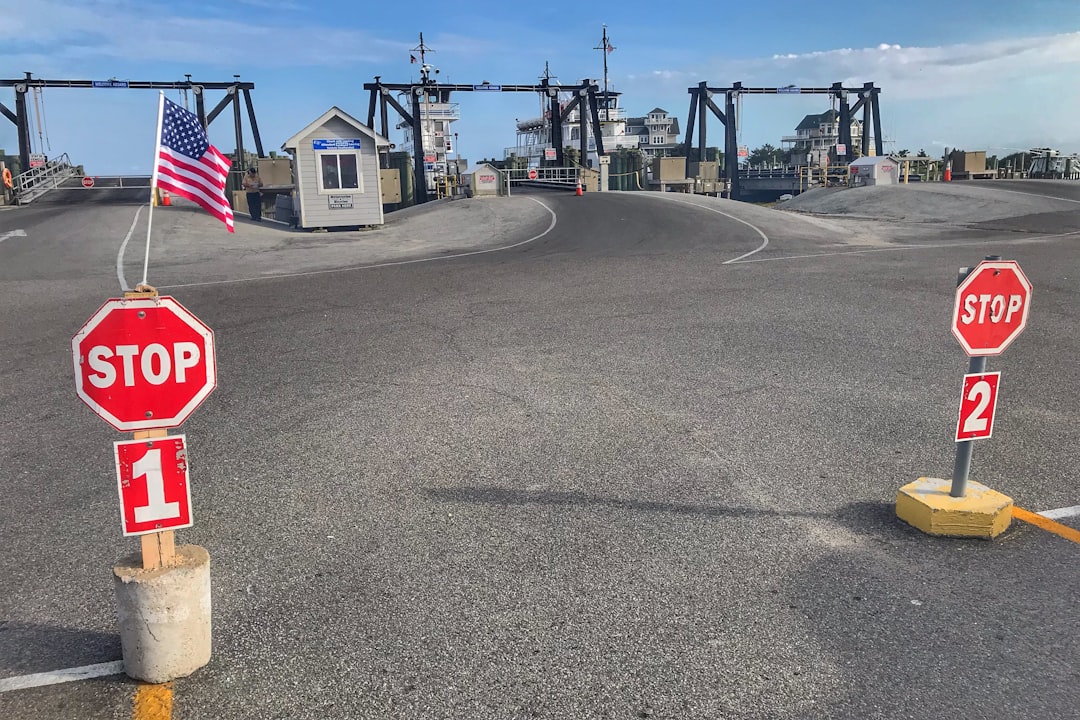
{"x": 549, "y": 77}
{"x": 605, "y": 46}
{"x": 423, "y": 49}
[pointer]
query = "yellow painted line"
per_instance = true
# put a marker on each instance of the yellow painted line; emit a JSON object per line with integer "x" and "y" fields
{"x": 153, "y": 702}
{"x": 1046, "y": 524}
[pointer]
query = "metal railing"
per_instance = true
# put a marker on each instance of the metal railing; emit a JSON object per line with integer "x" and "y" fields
{"x": 112, "y": 182}
{"x": 832, "y": 176}
{"x": 37, "y": 181}
{"x": 545, "y": 175}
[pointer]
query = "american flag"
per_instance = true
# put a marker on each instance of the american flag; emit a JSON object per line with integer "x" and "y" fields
{"x": 189, "y": 166}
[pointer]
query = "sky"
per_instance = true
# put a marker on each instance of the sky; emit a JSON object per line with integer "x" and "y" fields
{"x": 994, "y": 75}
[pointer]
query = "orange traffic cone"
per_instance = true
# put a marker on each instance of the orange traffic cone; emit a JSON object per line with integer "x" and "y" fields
{"x": 165, "y": 199}
{"x": 578, "y": 191}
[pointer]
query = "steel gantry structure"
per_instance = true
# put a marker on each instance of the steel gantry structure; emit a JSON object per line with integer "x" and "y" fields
{"x": 233, "y": 92}
{"x": 381, "y": 95}
{"x": 701, "y": 100}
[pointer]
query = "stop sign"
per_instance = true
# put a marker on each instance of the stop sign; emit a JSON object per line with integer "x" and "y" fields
{"x": 144, "y": 363}
{"x": 991, "y": 307}
{"x": 88, "y": 182}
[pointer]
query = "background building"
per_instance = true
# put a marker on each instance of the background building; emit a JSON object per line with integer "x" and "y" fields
{"x": 657, "y": 132}
{"x": 816, "y": 137}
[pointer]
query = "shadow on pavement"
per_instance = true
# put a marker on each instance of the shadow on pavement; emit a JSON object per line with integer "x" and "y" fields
{"x": 31, "y": 648}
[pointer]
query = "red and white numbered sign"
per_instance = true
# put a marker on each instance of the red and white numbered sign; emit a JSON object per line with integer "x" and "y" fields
{"x": 977, "y": 405}
{"x": 152, "y": 478}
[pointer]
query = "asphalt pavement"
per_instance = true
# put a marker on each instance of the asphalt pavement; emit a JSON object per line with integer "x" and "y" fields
{"x": 641, "y": 464}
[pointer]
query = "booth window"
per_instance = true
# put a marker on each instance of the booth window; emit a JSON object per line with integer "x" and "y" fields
{"x": 340, "y": 171}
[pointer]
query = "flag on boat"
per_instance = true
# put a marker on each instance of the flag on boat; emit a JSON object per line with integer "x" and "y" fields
{"x": 412, "y": 58}
{"x": 187, "y": 164}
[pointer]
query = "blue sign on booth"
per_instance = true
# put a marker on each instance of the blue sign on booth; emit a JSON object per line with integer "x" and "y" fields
{"x": 336, "y": 144}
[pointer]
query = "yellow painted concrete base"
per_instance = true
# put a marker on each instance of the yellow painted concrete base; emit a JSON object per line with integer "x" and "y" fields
{"x": 927, "y": 505}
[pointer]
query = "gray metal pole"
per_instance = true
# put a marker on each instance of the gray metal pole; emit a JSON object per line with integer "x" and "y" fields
{"x": 976, "y": 365}
{"x": 962, "y": 466}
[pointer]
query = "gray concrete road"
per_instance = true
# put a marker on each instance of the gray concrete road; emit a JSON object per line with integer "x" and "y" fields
{"x": 606, "y": 473}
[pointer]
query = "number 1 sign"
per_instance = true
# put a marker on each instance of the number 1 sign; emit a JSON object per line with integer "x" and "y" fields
{"x": 977, "y": 405}
{"x": 152, "y": 478}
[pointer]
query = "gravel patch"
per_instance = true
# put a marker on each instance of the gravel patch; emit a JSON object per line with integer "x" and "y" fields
{"x": 957, "y": 204}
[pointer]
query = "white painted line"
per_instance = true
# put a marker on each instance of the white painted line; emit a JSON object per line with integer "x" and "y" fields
{"x": 755, "y": 228}
{"x": 11, "y": 234}
{"x": 414, "y": 261}
{"x": 896, "y": 248}
{"x": 56, "y": 677}
{"x": 1021, "y": 192}
{"x": 123, "y": 246}
{"x": 1065, "y": 512}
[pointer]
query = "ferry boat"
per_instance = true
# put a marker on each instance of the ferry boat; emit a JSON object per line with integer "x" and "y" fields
{"x": 534, "y": 134}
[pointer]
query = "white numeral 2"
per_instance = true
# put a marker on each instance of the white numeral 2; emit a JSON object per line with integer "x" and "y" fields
{"x": 975, "y": 422}
{"x": 156, "y": 508}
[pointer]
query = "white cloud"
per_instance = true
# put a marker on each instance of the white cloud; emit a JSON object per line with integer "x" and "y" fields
{"x": 921, "y": 72}
{"x": 1011, "y": 92}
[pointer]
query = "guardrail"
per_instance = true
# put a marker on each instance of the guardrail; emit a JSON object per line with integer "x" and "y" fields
{"x": 37, "y": 181}
{"x": 548, "y": 175}
{"x": 113, "y": 182}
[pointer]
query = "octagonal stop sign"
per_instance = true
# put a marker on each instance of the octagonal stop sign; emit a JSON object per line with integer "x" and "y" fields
{"x": 991, "y": 307}
{"x": 144, "y": 363}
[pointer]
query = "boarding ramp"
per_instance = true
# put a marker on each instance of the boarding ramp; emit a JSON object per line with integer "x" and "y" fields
{"x": 35, "y": 182}
{"x": 99, "y": 189}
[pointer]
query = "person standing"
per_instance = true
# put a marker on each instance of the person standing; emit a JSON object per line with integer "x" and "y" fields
{"x": 253, "y": 187}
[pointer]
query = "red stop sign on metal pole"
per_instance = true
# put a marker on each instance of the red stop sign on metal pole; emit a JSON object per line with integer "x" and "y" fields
{"x": 991, "y": 308}
{"x": 144, "y": 363}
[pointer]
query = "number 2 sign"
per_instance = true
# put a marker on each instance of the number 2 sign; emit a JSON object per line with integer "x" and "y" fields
{"x": 152, "y": 478}
{"x": 977, "y": 404}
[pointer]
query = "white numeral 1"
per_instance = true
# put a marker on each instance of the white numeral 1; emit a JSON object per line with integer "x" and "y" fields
{"x": 156, "y": 508}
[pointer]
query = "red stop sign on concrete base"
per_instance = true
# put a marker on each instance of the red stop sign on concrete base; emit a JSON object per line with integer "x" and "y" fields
{"x": 991, "y": 307}
{"x": 144, "y": 363}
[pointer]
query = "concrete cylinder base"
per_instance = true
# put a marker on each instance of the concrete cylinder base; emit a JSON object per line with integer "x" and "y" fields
{"x": 164, "y": 615}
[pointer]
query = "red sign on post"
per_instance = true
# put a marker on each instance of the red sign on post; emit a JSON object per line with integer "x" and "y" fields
{"x": 991, "y": 307}
{"x": 144, "y": 363}
{"x": 152, "y": 478}
{"x": 977, "y": 405}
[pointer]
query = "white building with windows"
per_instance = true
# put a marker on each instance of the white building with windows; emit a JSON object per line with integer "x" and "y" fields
{"x": 335, "y": 163}
{"x": 534, "y": 135}
{"x": 437, "y": 115}
{"x": 817, "y": 135}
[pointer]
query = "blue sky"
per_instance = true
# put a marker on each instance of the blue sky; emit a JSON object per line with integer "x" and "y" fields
{"x": 978, "y": 74}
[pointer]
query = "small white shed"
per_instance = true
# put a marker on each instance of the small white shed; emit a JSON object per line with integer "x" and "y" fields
{"x": 487, "y": 181}
{"x": 874, "y": 170}
{"x": 336, "y": 172}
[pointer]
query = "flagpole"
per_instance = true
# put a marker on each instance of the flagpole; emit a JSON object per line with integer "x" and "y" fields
{"x": 153, "y": 183}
